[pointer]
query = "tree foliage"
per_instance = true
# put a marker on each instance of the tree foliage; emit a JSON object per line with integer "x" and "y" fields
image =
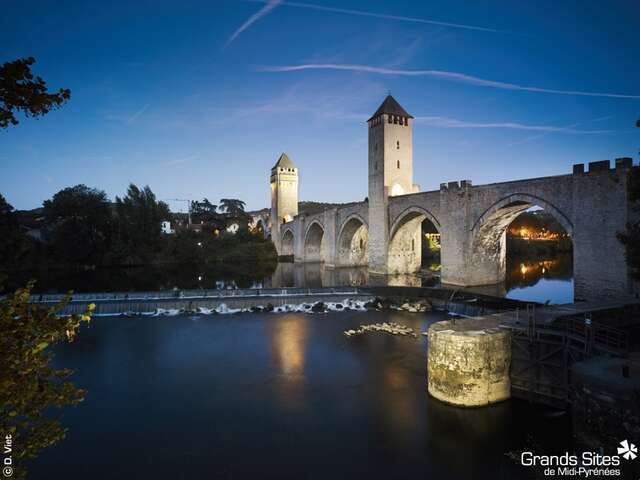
{"x": 20, "y": 91}
{"x": 79, "y": 221}
{"x": 234, "y": 212}
{"x": 139, "y": 219}
{"x": 14, "y": 244}
{"x": 206, "y": 213}
{"x": 29, "y": 385}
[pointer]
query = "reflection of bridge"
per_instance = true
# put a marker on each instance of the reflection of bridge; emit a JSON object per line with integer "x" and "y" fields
{"x": 384, "y": 231}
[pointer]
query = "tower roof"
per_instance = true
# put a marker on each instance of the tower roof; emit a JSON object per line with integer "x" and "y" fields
{"x": 391, "y": 106}
{"x": 284, "y": 162}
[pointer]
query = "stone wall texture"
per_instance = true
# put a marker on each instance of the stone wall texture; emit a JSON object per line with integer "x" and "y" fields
{"x": 468, "y": 362}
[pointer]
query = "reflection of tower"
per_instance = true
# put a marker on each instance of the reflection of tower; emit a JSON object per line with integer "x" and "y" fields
{"x": 284, "y": 196}
{"x": 288, "y": 338}
{"x": 390, "y": 172}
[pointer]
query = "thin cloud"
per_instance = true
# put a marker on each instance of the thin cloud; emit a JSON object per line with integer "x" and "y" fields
{"x": 137, "y": 114}
{"x": 447, "y": 122}
{"x": 180, "y": 161}
{"x": 271, "y": 4}
{"x": 385, "y": 16}
{"x": 439, "y": 74}
{"x": 544, "y": 134}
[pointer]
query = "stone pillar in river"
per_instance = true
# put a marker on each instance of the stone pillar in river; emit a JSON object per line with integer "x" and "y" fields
{"x": 468, "y": 362}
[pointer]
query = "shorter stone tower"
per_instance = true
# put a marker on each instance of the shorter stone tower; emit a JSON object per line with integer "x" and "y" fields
{"x": 284, "y": 196}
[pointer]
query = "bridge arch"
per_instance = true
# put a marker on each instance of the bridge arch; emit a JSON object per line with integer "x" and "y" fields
{"x": 489, "y": 234}
{"x": 405, "y": 239}
{"x": 525, "y": 201}
{"x": 314, "y": 242}
{"x": 287, "y": 242}
{"x": 353, "y": 241}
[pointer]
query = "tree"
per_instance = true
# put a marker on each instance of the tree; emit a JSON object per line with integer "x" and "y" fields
{"x": 79, "y": 221}
{"x": 20, "y": 91}
{"x": 139, "y": 219}
{"x": 29, "y": 386}
{"x": 14, "y": 244}
{"x": 234, "y": 212}
{"x": 206, "y": 213}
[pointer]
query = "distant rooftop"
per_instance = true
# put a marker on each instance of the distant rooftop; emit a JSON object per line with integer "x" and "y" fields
{"x": 390, "y": 106}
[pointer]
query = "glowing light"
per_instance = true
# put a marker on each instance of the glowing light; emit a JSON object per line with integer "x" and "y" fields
{"x": 287, "y": 218}
{"x": 523, "y": 269}
{"x": 397, "y": 190}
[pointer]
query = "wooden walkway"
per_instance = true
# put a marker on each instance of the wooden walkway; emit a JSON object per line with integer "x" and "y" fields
{"x": 547, "y": 341}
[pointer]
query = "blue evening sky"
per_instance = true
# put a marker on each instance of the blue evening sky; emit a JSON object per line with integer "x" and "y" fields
{"x": 198, "y": 98}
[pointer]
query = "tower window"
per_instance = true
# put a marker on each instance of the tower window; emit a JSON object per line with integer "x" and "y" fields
{"x": 406, "y": 122}
{"x": 398, "y": 144}
{"x": 413, "y": 244}
{"x": 395, "y": 120}
{"x": 390, "y": 119}
{"x": 398, "y": 163}
{"x": 361, "y": 244}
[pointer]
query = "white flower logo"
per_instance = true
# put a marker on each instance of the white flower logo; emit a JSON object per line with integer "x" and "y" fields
{"x": 627, "y": 450}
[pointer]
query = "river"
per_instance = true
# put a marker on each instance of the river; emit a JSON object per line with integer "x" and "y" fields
{"x": 539, "y": 279}
{"x": 276, "y": 396}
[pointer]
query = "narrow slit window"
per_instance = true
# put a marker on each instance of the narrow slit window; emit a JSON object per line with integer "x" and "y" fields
{"x": 398, "y": 163}
{"x": 413, "y": 244}
{"x": 398, "y": 145}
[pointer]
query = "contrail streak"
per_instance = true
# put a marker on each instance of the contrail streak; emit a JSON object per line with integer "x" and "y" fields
{"x": 447, "y": 122}
{"x": 271, "y": 4}
{"x": 385, "y": 16}
{"x": 439, "y": 74}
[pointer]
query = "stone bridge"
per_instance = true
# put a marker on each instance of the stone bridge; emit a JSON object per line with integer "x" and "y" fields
{"x": 472, "y": 221}
{"x": 384, "y": 232}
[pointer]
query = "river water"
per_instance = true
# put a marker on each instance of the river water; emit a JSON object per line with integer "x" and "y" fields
{"x": 276, "y": 396}
{"x": 540, "y": 279}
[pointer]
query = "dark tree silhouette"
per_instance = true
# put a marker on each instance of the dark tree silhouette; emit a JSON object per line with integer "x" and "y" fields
{"x": 138, "y": 225}
{"x": 79, "y": 221}
{"x": 20, "y": 91}
{"x": 234, "y": 212}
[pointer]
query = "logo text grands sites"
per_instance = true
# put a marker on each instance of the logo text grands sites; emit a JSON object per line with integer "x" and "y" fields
{"x": 585, "y": 465}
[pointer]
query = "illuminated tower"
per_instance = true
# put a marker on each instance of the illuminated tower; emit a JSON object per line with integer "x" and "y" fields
{"x": 390, "y": 173}
{"x": 284, "y": 196}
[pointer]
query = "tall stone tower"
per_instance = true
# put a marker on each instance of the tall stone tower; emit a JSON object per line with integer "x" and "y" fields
{"x": 390, "y": 173}
{"x": 284, "y": 197}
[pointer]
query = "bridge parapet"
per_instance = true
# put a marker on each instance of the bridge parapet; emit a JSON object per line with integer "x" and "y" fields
{"x": 461, "y": 185}
{"x": 622, "y": 163}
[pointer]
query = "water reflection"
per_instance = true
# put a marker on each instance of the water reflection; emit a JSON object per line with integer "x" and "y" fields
{"x": 311, "y": 275}
{"x": 542, "y": 278}
{"x": 288, "y": 340}
{"x": 288, "y": 344}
